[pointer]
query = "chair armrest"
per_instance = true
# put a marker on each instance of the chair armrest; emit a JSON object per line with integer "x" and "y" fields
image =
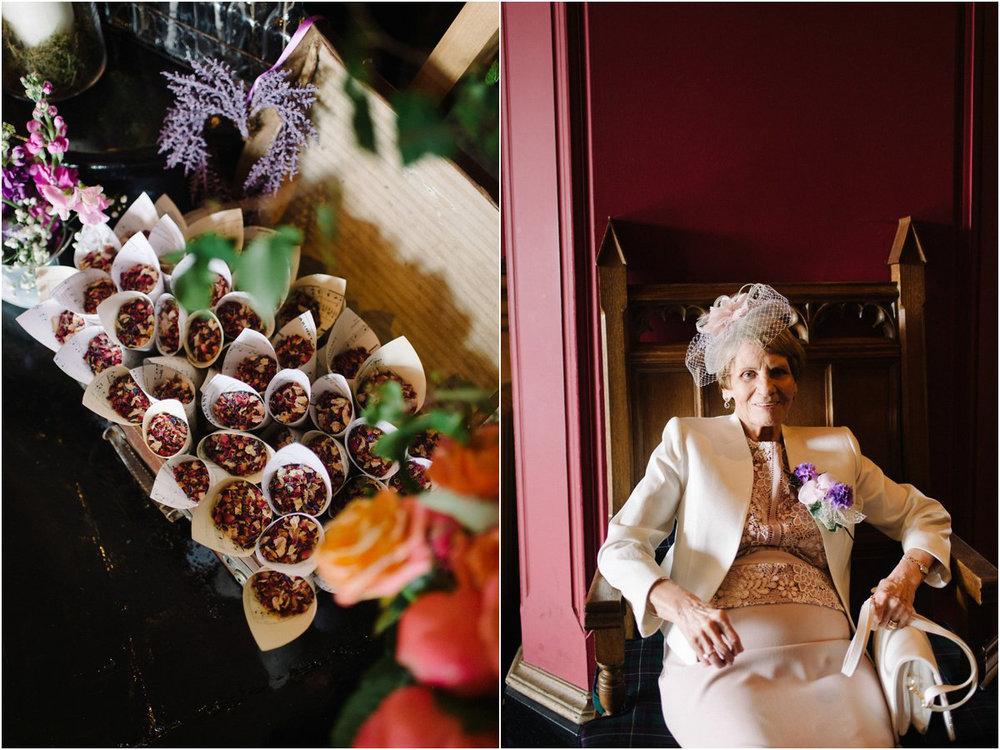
{"x": 604, "y": 607}
{"x": 969, "y": 605}
{"x": 604, "y": 615}
{"x": 973, "y": 574}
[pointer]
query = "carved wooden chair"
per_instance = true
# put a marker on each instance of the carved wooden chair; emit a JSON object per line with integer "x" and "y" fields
{"x": 859, "y": 339}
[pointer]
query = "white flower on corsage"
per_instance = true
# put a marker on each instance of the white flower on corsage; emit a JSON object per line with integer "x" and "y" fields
{"x": 830, "y": 502}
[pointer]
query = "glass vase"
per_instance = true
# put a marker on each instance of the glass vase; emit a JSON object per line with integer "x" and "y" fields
{"x": 20, "y": 282}
{"x": 61, "y": 42}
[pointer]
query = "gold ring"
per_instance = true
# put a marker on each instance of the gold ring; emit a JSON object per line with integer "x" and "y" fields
{"x": 892, "y": 624}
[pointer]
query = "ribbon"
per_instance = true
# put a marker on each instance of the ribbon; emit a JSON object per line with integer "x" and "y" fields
{"x": 300, "y": 32}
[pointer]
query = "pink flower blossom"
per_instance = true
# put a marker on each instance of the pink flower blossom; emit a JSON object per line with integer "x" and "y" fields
{"x": 411, "y": 717}
{"x": 35, "y": 144}
{"x": 47, "y": 88}
{"x": 58, "y": 145}
{"x": 62, "y": 202}
{"x": 60, "y": 125}
{"x": 34, "y": 126}
{"x": 725, "y": 312}
{"x": 59, "y": 177}
{"x": 441, "y": 643}
{"x": 90, "y": 204}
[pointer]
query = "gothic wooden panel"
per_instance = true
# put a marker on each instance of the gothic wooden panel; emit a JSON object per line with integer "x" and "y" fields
{"x": 866, "y": 399}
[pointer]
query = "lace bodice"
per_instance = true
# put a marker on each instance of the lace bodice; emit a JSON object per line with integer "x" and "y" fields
{"x": 781, "y": 556}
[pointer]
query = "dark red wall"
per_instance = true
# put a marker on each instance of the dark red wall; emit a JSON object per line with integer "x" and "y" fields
{"x": 772, "y": 142}
{"x": 782, "y": 142}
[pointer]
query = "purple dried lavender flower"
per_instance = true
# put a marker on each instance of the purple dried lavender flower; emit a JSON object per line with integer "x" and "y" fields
{"x": 841, "y": 495}
{"x": 292, "y": 104}
{"x": 212, "y": 90}
{"x": 805, "y": 472}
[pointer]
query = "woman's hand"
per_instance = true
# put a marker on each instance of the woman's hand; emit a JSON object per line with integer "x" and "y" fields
{"x": 707, "y": 629}
{"x": 892, "y": 601}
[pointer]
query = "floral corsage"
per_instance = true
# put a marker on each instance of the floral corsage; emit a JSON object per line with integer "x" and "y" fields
{"x": 830, "y": 502}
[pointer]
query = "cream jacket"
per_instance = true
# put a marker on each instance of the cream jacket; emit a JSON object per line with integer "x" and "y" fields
{"x": 701, "y": 476}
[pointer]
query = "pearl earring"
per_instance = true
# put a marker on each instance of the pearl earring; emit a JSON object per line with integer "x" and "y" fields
{"x": 727, "y": 403}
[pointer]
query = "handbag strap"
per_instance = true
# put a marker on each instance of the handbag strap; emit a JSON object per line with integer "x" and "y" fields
{"x": 856, "y": 648}
{"x": 922, "y": 623}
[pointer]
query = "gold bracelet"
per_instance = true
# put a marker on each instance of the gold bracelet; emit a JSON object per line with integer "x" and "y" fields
{"x": 924, "y": 570}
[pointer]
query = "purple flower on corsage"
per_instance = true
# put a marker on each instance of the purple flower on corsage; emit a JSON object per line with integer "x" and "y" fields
{"x": 830, "y": 502}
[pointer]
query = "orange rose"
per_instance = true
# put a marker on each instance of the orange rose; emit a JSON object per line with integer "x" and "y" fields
{"x": 410, "y": 717}
{"x": 470, "y": 469}
{"x": 439, "y": 642}
{"x": 475, "y": 560}
{"x": 374, "y": 547}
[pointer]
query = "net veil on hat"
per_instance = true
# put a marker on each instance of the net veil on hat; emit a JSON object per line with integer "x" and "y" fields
{"x": 755, "y": 313}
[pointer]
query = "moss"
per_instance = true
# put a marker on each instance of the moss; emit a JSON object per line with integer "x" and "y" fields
{"x": 69, "y": 59}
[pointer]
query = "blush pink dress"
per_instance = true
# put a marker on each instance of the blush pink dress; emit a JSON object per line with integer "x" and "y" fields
{"x": 786, "y": 688}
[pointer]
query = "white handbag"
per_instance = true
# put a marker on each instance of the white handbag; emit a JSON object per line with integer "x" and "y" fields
{"x": 909, "y": 672}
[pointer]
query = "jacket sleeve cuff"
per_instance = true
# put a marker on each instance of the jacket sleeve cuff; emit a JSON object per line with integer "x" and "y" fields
{"x": 637, "y": 594}
{"x": 940, "y": 570}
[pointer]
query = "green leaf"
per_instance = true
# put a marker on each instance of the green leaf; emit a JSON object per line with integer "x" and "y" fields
{"x": 386, "y": 404}
{"x": 364, "y": 130}
{"x": 475, "y": 515}
{"x": 326, "y": 220}
{"x": 394, "y": 608}
{"x": 193, "y": 288}
{"x": 212, "y": 245}
{"x": 475, "y": 715}
{"x": 265, "y": 266}
{"x": 382, "y": 678}
{"x": 422, "y": 129}
{"x": 493, "y": 74}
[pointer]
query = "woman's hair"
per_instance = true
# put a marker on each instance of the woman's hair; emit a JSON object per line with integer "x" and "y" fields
{"x": 784, "y": 344}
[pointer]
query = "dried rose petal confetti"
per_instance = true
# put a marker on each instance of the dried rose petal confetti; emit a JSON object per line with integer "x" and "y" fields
{"x": 289, "y": 403}
{"x": 168, "y": 325}
{"x": 257, "y": 370}
{"x": 220, "y": 288}
{"x": 95, "y": 293}
{"x": 359, "y": 486}
{"x": 241, "y": 455}
{"x": 236, "y": 316}
{"x": 166, "y": 434}
{"x": 281, "y": 437}
{"x": 192, "y": 477}
{"x": 367, "y": 390}
{"x": 326, "y": 450}
{"x": 294, "y": 350}
{"x": 280, "y": 594}
{"x": 204, "y": 339}
{"x": 239, "y": 410}
{"x": 297, "y": 303}
{"x": 416, "y": 473}
{"x": 290, "y": 540}
{"x": 166, "y": 267}
{"x": 175, "y": 387}
{"x": 333, "y": 412}
{"x": 127, "y": 399}
{"x": 102, "y": 353}
{"x": 296, "y": 487}
{"x": 135, "y": 323}
{"x": 361, "y": 444}
{"x": 241, "y": 513}
{"x": 139, "y": 278}
{"x": 101, "y": 258}
{"x": 65, "y": 324}
{"x": 348, "y": 362}
{"x": 424, "y": 443}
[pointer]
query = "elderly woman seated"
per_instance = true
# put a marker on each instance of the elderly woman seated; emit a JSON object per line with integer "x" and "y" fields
{"x": 752, "y": 597}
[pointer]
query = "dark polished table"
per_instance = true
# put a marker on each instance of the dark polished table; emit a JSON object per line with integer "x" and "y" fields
{"x": 117, "y": 628}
